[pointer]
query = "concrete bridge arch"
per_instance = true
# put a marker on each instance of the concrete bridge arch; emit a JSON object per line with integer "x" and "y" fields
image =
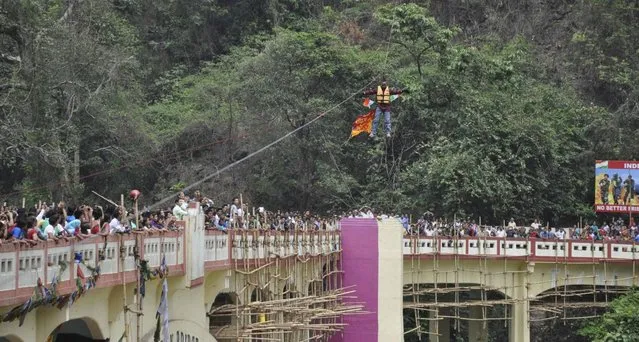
{"x": 78, "y": 329}
{"x": 455, "y": 311}
{"x": 547, "y": 276}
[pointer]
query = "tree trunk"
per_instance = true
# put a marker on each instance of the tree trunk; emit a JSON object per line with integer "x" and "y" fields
{"x": 67, "y": 188}
{"x": 76, "y": 167}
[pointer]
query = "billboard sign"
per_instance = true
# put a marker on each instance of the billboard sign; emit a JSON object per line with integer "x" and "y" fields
{"x": 616, "y": 188}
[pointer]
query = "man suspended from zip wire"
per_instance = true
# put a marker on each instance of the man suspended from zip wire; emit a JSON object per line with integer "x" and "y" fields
{"x": 383, "y": 98}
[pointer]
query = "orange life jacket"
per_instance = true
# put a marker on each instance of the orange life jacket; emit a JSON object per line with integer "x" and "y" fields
{"x": 383, "y": 96}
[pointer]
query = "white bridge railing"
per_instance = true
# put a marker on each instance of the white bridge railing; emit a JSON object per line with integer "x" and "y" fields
{"x": 21, "y": 266}
{"x": 577, "y": 250}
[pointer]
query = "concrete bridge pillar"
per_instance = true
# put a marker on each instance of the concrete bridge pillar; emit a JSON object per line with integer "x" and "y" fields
{"x": 372, "y": 261}
{"x": 520, "y": 322}
{"x": 439, "y": 330}
{"x": 433, "y": 328}
{"x": 476, "y": 330}
{"x": 519, "y": 328}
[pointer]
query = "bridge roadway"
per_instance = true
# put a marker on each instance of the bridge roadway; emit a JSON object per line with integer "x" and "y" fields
{"x": 200, "y": 267}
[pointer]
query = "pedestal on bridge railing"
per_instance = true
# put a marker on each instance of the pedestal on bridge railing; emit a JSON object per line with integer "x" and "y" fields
{"x": 372, "y": 262}
{"x": 194, "y": 245}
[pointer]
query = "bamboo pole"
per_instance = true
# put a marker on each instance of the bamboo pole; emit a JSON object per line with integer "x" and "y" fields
{"x": 106, "y": 199}
{"x": 315, "y": 315}
{"x": 122, "y": 256}
{"x": 242, "y": 210}
{"x": 138, "y": 273}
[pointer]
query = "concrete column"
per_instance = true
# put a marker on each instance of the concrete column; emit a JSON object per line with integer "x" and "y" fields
{"x": 519, "y": 329}
{"x": 444, "y": 330}
{"x": 476, "y": 330}
{"x": 433, "y": 328}
{"x": 519, "y": 324}
{"x": 439, "y": 331}
{"x": 372, "y": 261}
{"x": 390, "y": 300}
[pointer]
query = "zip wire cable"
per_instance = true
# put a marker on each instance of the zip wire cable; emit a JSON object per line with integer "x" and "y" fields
{"x": 264, "y": 148}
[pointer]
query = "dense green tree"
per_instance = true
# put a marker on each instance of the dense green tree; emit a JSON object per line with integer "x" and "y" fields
{"x": 415, "y": 31}
{"x": 619, "y": 324}
{"x": 499, "y": 122}
{"x": 69, "y": 67}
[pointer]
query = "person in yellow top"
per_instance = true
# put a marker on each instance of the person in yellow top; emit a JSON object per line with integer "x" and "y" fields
{"x": 383, "y": 95}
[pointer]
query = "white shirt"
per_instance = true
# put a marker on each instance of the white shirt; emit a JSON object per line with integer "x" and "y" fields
{"x": 501, "y": 233}
{"x": 115, "y": 226}
{"x": 49, "y": 230}
{"x": 179, "y": 212}
{"x": 234, "y": 212}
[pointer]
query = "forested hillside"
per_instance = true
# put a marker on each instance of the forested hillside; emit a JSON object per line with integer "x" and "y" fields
{"x": 510, "y": 102}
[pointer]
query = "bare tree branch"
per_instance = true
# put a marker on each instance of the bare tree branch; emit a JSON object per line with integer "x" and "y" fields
{"x": 10, "y": 59}
{"x": 107, "y": 78}
{"x": 69, "y": 10}
{"x": 13, "y": 86}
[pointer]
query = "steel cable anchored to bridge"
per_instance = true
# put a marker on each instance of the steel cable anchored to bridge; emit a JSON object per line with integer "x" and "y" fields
{"x": 262, "y": 149}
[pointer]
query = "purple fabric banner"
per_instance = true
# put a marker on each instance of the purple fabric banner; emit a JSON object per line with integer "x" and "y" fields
{"x": 360, "y": 258}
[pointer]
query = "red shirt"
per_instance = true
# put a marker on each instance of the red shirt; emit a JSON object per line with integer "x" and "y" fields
{"x": 32, "y": 234}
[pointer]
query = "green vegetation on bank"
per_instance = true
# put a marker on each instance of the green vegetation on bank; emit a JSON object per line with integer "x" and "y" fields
{"x": 619, "y": 324}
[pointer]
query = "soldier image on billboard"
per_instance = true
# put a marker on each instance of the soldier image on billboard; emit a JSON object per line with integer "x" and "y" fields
{"x": 604, "y": 188}
{"x": 629, "y": 185}
{"x": 616, "y": 188}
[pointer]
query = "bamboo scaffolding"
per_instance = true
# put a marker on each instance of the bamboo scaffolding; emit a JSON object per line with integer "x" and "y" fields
{"x": 568, "y": 291}
{"x": 268, "y": 269}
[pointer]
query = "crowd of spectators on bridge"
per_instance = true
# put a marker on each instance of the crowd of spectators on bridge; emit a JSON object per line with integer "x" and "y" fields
{"x": 430, "y": 226}
{"x": 236, "y": 215}
{"x": 45, "y": 221}
{"x": 616, "y": 230}
{"x": 49, "y": 221}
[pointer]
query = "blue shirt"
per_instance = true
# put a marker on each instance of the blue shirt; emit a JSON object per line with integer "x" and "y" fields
{"x": 72, "y": 226}
{"x": 404, "y": 221}
{"x": 17, "y": 233}
{"x": 70, "y": 218}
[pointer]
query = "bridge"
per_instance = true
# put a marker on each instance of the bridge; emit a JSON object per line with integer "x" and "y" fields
{"x": 297, "y": 286}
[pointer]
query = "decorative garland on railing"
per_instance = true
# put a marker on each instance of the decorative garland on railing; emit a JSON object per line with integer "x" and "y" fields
{"x": 147, "y": 274}
{"x": 48, "y": 296}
